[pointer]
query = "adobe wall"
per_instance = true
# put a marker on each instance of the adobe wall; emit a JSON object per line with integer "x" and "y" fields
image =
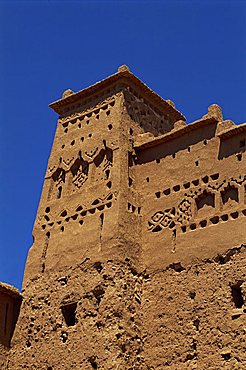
{"x": 190, "y": 319}
{"x": 138, "y": 259}
{"x": 80, "y": 198}
{"x": 191, "y": 197}
{"x": 105, "y": 333}
{"x": 193, "y": 209}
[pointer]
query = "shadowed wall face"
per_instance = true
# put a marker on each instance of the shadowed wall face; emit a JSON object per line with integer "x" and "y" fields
{"x": 9, "y": 311}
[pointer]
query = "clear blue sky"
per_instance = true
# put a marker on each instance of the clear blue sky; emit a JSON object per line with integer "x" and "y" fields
{"x": 192, "y": 52}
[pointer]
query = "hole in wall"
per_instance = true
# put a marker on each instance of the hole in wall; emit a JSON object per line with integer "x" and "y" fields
{"x": 192, "y": 295}
{"x": 47, "y": 210}
{"x": 147, "y": 179}
{"x": 167, "y": 192}
{"x": 226, "y": 356}
{"x": 59, "y": 192}
{"x": 229, "y": 194}
{"x": 224, "y": 217}
{"x": 205, "y": 142}
{"x": 98, "y": 266}
{"x": 196, "y": 323}
{"x": 177, "y": 267}
{"x": 171, "y": 226}
{"x": 205, "y": 179}
{"x": 109, "y": 184}
{"x": 215, "y": 176}
{"x": 110, "y": 126}
{"x": 69, "y": 313}
{"x": 203, "y": 223}
{"x": 205, "y": 199}
{"x": 237, "y": 295}
{"x": 98, "y": 293}
{"x": 214, "y": 220}
{"x": 102, "y": 218}
{"x": 195, "y": 182}
{"x": 176, "y": 188}
{"x": 239, "y": 157}
{"x": 92, "y": 361}
{"x": 197, "y": 163}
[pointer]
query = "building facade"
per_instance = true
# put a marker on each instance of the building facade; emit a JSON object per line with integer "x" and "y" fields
{"x": 138, "y": 259}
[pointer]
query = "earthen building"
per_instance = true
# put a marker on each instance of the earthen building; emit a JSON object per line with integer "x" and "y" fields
{"x": 138, "y": 258}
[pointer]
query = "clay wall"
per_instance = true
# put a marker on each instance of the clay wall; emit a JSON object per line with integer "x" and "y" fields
{"x": 80, "y": 194}
{"x": 193, "y": 297}
{"x": 194, "y": 315}
{"x": 84, "y": 317}
{"x": 138, "y": 259}
{"x": 146, "y": 117}
{"x": 191, "y": 198}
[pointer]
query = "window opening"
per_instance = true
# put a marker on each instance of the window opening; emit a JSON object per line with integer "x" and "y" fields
{"x": 69, "y": 313}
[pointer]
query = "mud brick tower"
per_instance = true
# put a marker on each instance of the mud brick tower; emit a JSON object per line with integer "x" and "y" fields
{"x": 138, "y": 258}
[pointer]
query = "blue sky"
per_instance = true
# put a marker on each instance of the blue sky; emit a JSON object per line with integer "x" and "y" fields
{"x": 192, "y": 52}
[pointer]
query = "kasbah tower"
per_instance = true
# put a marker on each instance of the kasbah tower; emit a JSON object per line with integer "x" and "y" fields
{"x": 138, "y": 258}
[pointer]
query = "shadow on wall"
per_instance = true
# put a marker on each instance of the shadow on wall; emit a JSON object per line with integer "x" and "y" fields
{"x": 230, "y": 146}
{"x": 10, "y": 303}
{"x": 173, "y": 146}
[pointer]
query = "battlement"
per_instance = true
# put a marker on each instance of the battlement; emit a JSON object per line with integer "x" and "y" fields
{"x": 120, "y": 80}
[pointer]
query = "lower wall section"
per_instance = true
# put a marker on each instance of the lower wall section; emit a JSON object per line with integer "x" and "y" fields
{"x": 194, "y": 317}
{"x": 84, "y": 318}
{"x": 109, "y": 316}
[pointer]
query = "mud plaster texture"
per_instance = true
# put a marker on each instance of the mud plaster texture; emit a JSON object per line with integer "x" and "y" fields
{"x": 138, "y": 259}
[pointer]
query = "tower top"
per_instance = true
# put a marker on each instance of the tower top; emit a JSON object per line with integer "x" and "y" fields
{"x": 125, "y": 77}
